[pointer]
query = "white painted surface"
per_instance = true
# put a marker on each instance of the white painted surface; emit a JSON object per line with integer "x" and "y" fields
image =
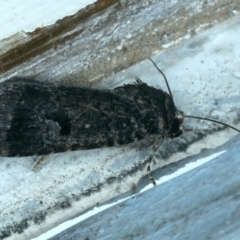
{"x": 201, "y": 204}
{"x": 20, "y": 15}
{"x": 96, "y": 210}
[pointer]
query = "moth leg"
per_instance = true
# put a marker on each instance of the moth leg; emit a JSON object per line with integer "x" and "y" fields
{"x": 155, "y": 147}
{"x": 39, "y": 162}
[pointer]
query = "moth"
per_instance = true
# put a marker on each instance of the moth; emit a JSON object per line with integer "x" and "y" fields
{"x": 40, "y": 118}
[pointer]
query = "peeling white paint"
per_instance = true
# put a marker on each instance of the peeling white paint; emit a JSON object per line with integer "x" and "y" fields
{"x": 20, "y": 15}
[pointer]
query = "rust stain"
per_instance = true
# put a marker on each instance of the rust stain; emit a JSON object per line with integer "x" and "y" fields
{"x": 43, "y": 39}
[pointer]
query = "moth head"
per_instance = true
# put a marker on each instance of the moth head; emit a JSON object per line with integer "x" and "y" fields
{"x": 175, "y": 129}
{"x": 176, "y": 125}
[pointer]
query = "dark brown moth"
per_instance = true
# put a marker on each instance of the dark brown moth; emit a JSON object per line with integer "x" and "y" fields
{"x": 39, "y": 118}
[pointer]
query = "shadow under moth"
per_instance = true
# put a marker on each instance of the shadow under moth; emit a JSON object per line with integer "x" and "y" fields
{"x": 40, "y": 118}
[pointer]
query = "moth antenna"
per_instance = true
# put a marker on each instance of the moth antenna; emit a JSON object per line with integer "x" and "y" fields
{"x": 163, "y": 76}
{"x": 211, "y": 120}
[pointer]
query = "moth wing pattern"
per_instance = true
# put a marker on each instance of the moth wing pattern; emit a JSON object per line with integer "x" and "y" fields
{"x": 38, "y": 118}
